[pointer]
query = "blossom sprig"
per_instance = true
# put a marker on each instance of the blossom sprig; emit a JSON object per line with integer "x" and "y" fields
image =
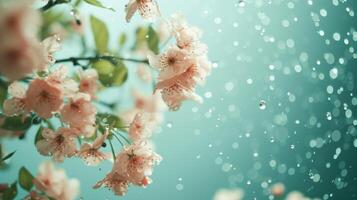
{"x": 63, "y": 102}
{"x": 182, "y": 66}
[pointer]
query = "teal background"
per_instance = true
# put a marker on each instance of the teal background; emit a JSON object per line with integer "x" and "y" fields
{"x": 228, "y": 141}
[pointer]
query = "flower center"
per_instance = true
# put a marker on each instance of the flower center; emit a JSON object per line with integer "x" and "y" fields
{"x": 171, "y": 61}
{"x": 74, "y": 106}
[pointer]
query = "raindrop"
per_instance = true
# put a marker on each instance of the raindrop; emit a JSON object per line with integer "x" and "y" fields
{"x": 262, "y": 105}
{"x": 179, "y": 187}
{"x": 241, "y": 3}
{"x": 229, "y": 86}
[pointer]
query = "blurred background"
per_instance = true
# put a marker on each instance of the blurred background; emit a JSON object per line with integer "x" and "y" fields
{"x": 279, "y": 105}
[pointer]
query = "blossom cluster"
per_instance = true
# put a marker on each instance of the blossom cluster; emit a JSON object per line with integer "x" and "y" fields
{"x": 64, "y": 101}
{"x": 54, "y": 183}
{"x": 182, "y": 66}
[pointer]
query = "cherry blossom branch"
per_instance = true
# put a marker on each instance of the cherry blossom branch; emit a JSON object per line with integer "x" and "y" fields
{"x": 75, "y": 60}
{"x": 52, "y": 3}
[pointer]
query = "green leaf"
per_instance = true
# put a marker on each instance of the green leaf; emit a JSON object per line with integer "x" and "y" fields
{"x": 140, "y": 33}
{"x": 25, "y": 179}
{"x": 153, "y": 40}
{"x": 120, "y": 75}
{"x": 110, "y": 74}
{"x": 48, "y": 18}
{"x": 11, "y": 192}
{"x": 7, "y": 156}
{"x": 98, "y": 4}
{"x": 122, "y": 39}
{"x": 16, "y": 123}
{"x": 3, "y": 92}
{"x": 109, "y": 120}
{"x": 100, "y": 33}
{"x": 39, "y": 136}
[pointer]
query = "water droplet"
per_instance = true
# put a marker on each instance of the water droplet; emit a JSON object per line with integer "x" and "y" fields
{"x": 262, "y": 105}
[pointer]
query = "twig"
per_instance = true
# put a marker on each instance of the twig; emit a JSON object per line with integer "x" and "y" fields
{"x": 52, "y": 3}
{"x": 75, "y": 60}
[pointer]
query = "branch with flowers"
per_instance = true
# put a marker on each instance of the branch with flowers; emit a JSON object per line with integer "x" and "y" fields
{"x": 38, "y": 92}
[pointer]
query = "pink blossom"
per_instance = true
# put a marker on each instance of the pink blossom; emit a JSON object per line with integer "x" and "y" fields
{"x": 49, "y": 45}
{"x": 142, "y": 126}
{"x": 80, "y": 113}
{"x": 115, "y": 182}
{"x": 148, "y": 9}
{"x": 175, "y": 94}
{"x": 89, "y": 82}
{"x": 144, "y": 73}
{"x": 182, "y": 66}
{"x": 15, "y": 105}
{"x": 59, "y": 78}
{"x": 135, "y": 163}
{"x": 91, "y": 153}
{"x": 277, "y": 190}
{"x": 54, "y": 183}
{"x": 171, "y": 63}
{"x": 59, "y": 145}
{"x": 43, "y": 98}
{"x": 152, "y": 103}
{"x": 20, "y": 50}
{"x": 132, "y": 166}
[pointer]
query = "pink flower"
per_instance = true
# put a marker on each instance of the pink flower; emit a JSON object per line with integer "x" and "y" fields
{"x": 115, "y": 182}
{"x": 142, "y": 126}
{"x": 49, "y": 45}
{"x": 59, "y": 78}
{"x": 148, "y": 9}
{"x": 144, "y": 73}
{"x": 182, "y": 66}
{"x": 135, "y": 163}
{"x": 20, "y": 50}
{"x": 229, "y": 194}
{"x": 172, "y": 63}
{"x": 88, "y": 82}
{"x": 59, "y": 145}
{"x": 18, "y": 58}
{"x": 186, "y": 36}
{"x": 15, "y": 105}
{"x": 152, "y": 103}
{"x": 175, "y": 94}
{"x": 54, "y": 183}
{"x": 180, "y": 88}
{"x": 43, "y": 98}
{"x": 277, "y": 190}
{"x": 90, "y": 152}
{"x": 80, "y": 113}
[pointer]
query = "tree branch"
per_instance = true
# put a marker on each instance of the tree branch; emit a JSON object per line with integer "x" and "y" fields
{"x": 75, "y": 60}
{"x": 52, "y": 3}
